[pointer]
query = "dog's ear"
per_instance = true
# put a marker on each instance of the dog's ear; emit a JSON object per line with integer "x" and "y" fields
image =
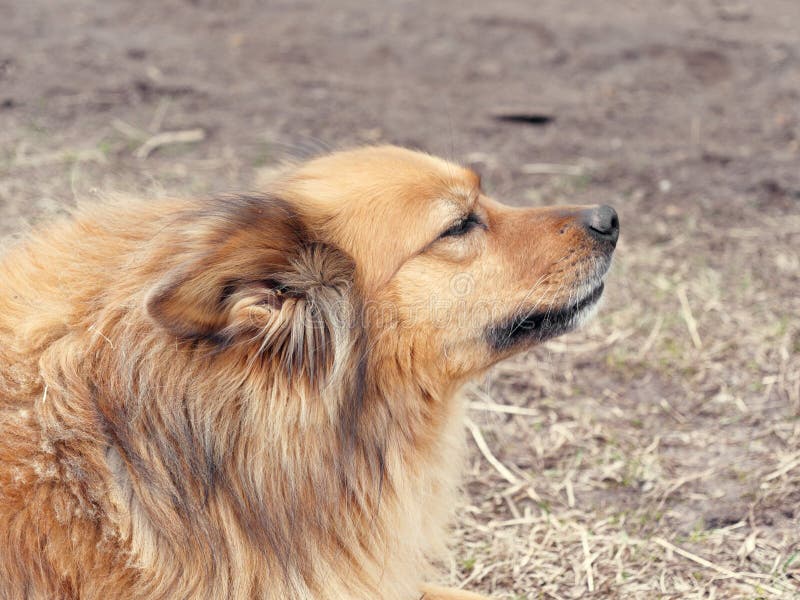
{"x": 250, "y": 273}
{"x": 212, "y": 253}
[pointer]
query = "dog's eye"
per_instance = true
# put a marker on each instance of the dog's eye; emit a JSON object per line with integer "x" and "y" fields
{"x": 464, "y": 226}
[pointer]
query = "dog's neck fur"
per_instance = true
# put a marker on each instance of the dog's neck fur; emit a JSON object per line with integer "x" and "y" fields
{"x": 213, "y": 467}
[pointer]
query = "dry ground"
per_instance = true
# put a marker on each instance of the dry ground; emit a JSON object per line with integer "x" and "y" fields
{"x": 654, "y": 454}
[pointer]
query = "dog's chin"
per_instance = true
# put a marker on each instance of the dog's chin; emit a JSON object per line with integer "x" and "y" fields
{"x": 538, "y": 326}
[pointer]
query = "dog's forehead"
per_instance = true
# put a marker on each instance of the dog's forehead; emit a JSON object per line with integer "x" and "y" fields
{"x": 383, "y": 173}
{"x": 380, "y": 204}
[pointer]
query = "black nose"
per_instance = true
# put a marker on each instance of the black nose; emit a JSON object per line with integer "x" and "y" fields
{"x": 602, "y": 223}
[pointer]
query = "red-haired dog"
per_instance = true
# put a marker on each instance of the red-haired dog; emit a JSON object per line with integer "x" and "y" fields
{"x": 257, "y": 396}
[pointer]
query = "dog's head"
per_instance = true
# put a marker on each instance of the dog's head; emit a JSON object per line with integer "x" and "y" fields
{"x": 397, "y": 244}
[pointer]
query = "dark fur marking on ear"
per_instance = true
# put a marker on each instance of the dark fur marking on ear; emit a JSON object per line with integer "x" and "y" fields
{"x": 207, "y": 238}
{"x": 239, "y": 212}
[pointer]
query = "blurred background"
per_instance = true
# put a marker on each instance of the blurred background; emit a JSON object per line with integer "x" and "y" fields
{"x": 656, "y": 453}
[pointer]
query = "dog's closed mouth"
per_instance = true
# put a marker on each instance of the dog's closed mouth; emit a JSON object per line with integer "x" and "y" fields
{"x": 539, "y": 326}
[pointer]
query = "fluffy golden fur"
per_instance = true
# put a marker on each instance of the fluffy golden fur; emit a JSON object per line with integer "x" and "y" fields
{"x": 257, "y": 396}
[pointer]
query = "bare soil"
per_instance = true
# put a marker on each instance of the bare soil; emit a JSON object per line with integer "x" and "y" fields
{"x": 667, "y": 432}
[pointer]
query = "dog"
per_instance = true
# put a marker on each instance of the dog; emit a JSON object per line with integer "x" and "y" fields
{"x": 257, "y": 396}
